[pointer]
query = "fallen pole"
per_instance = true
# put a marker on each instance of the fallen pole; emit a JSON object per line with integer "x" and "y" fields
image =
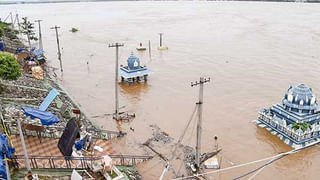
{"x": 27, "y": 162}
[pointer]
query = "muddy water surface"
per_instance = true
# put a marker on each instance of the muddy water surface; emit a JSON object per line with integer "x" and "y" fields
{"x": 252, "y": 51}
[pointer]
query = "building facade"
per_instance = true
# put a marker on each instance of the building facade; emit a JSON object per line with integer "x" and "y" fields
{"x": 296, "y": 121}
{"x": 133, "y": 71}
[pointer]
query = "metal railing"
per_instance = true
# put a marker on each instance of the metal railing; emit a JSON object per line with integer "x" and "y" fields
{"x": 290, "y": 133}
{"x": 51, "y": 131}
{"x": 61, "y": 162}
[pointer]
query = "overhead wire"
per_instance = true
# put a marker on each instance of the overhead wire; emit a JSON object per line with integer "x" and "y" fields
{"x": 259, "y": 168}
{"x": 271, "y": 158}
{"x": 184, "y": 132}
{"x": 10, "y": 14}
{"x": 173, "y": 154}
{"x": 253, "y": 176}
{"x": 179, "y": 140}
{"x": 188, "y": 143}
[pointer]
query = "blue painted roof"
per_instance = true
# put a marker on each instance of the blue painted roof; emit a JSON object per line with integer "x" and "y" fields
{"x": 300, "y": 97}
{"x": 133, "y": 74}
{"x": 133, "y": 63}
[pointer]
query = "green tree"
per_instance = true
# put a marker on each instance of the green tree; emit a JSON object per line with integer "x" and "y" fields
{"x": 2, "y": 26}
{"x": 9, "y": 67}
{"x": 6, "y": 30}
{"x": 28, "y": 28}
{"x": 303, "y": 126}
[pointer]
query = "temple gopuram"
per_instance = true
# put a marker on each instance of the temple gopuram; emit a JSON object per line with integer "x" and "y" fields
{"x": 296, "y": 121}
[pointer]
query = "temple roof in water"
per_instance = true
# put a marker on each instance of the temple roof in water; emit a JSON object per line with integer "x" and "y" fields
{"x": 296, "y": 121}
{"x": 133, "y": 68}
{"x": 300, "y": 99}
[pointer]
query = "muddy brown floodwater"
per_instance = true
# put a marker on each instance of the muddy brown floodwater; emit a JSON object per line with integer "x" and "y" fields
{"x": 253, "y": 51}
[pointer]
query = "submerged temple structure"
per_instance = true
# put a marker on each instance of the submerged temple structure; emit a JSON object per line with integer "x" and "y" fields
{"x": 296, "y": 121}
{"x": 133, "y": 72}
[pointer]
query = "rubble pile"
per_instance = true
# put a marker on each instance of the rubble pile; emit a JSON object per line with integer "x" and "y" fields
{"x": 133, "y": 174}
{"x": 159, "y": 135}
{"x": 30, "y": 92}
{"x": 189, "y": 158}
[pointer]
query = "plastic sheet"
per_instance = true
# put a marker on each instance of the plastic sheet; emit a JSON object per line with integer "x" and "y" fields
{"x": 46, "y": 117}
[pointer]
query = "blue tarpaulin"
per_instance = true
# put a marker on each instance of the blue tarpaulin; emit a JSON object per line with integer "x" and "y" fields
{"x": 1, "y": 46}
{"x": 46, "y": 117}
{"x": 38, "y": 52}
{"x": 4, "y": 145}
{"x": 79, "y": 145}
{"x": 21, "y": 50}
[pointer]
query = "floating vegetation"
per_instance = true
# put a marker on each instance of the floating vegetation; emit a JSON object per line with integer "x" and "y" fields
{"x": 73, "y": 30}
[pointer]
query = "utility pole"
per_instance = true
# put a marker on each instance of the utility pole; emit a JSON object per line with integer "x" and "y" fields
{"x": 26, "y": 158}
{"x": 7, "y": 165}
{"x": 17, "y": 19}
{"x": 165, "y": 170}
{"x": 116, "y": 114}
{"x": 58, "y": 44}
{"x": 27, "y": 29}
{"x": 12, "y": 24}
{"x": 199, "y": 124}
{"x": 2, "y": 150}
{"x": 40, "y": 35}
{"x": 149, "y": 48}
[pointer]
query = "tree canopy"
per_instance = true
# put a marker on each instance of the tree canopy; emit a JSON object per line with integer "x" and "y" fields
{"x": 9, "y": 67}
{"x": 303, "y": 126}
{"x": 2, "y": 26}
{"x": 28, "y": 28}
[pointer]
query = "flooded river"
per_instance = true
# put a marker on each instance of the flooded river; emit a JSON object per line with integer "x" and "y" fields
{"x": 252, "y": 51}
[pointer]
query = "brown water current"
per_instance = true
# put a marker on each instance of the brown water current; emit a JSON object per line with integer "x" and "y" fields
{"x": 253, "y": 52}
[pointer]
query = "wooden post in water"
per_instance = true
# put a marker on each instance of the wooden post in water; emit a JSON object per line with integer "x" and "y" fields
{"x": 58, "y": 44}
{"x": 40, "y": 35}
{"x": 199, "y": 124}
{"x": 149, "y": 48}
{"x": 116, "y": 114}
{"x": 160, "y": 39}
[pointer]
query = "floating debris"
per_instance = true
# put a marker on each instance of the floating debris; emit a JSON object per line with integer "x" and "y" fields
{"x": 74, "y": 30}
{"x": 141, "y": 48}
